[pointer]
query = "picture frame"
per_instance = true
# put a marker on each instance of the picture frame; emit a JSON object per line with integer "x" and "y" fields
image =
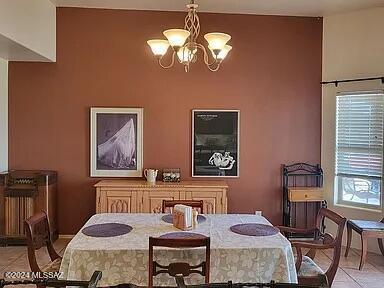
{"x": 215, "y": 143}
{"x": 116, "y": 142}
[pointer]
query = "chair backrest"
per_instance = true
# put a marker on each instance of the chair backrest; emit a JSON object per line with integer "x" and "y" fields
{"x": 334, "y": 241}
{"x": 337, "y": 219}
{"x": 38, "y": 235}
{"x": 323, "y": 283}
{"x": 179, "y": 268}
{"x": 199, "y": 204}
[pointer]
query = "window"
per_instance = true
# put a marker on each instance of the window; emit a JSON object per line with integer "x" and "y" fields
{"x": 359, "y": 148}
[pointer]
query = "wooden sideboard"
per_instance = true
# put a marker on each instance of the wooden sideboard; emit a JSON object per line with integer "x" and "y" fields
{"x": 136, "y": 196}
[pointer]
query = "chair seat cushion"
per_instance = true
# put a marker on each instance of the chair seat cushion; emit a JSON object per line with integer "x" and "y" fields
{"x": 53, "y": 266}
{"x": 367, "y": 225}
{"x": 309, "y": 268}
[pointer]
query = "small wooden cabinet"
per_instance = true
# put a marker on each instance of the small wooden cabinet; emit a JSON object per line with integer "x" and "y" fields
{"x": 22, "y": 194}
{"x": 134, "y": 196}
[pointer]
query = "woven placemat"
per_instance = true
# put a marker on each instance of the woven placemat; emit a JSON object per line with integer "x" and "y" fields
{"x": 169, "y": 218}
{"x": 107, "y": 230}
{"x": 254, "y": 229}
{"x": 182, "y": 235}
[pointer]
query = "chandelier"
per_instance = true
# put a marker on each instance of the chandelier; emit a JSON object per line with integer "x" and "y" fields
{"x": 184, "y": 44}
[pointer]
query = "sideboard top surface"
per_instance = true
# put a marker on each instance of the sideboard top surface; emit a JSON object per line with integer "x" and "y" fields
{"x": 144, "y": 183}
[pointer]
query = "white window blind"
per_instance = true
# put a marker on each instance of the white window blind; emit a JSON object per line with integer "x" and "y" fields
{"x": 359, "y": 134}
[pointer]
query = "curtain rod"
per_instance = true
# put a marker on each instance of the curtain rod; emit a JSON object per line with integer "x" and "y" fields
{"x": 336, "y": 82}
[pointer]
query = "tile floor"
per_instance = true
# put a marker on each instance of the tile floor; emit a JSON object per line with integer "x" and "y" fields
{"x": 348, "y": 275}
{"x": 14, "y": 258}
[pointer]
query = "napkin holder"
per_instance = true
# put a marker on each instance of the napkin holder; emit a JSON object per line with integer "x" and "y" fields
{"x": 179, "y": 221}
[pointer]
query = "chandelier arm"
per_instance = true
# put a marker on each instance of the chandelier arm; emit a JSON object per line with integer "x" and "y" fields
{"x": 206, "y": 57}
{"x": 215, "y": 68}
{"x": 170, "y": 64}
{"x": 215, "y": 65}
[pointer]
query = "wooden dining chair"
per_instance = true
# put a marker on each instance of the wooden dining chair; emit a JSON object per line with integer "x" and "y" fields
{"x": 307, "y": 270}
{"x": 366, "y": 229}
{"x": 169, "y": 204}
{"x": 181, "y": 284}
{"x": 38, "y": 235}
{"x": 179, "y": 268}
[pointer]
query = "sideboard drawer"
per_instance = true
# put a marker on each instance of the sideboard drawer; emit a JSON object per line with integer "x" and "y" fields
{"x": 305, "y": 194}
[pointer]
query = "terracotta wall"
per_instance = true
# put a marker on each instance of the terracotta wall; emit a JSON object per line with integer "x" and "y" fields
{"x": 272, "y": 76}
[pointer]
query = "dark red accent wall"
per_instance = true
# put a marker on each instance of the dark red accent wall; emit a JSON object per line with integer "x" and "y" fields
{"x": 272, "y": 75}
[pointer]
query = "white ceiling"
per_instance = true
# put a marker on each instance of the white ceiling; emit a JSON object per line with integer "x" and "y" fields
{"x": 269, "y": 7}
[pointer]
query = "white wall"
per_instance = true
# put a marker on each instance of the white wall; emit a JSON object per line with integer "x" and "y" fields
{"x": 28, "y": 30}
{"x": 353, "y": 47}
{"x": 3, "y": 115}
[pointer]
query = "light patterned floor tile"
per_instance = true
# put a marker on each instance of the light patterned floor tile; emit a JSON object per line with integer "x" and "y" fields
{"x": 346, "y": 284}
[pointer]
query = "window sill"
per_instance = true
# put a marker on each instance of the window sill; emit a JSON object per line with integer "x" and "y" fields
{"x": 378, "y": 210}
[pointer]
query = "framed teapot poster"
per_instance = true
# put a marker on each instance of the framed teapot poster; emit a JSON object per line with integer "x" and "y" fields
{"x": 116, "y": 142}
{"x": 215, "y": 143}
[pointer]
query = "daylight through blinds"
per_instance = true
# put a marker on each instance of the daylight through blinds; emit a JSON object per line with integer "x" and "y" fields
{"x": 359, "y": 134}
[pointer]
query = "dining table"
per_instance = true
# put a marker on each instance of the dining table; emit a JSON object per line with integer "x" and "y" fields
{"x": 124, "y": 258}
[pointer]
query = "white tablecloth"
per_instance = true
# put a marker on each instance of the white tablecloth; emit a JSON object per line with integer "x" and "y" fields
{"x": 124, "y": 259}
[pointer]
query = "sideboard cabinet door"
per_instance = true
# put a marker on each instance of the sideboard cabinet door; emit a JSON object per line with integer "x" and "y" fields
{"x": 214, "y": 202}
{"x": 153, "y": 199}
{"x": 118, "y": 201}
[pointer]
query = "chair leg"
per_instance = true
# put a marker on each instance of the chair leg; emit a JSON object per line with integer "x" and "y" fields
{"x": 364, "y": 244}
{"x": 349, "y": 239}
{"x": 380, "y": 241}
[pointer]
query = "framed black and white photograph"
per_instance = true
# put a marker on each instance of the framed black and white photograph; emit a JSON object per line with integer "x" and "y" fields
{"x": 116, "y": 142}
{"x": 215, "y": 143}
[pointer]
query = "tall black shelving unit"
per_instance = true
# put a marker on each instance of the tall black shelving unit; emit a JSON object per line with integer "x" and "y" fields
{"x": 300, "y": 175}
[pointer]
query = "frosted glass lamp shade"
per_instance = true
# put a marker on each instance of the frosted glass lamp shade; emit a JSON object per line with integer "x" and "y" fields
{"x": 158, "y": 47}
{"x": 185, "y": 54}
{"x": 176, "y": 37}
{"x": 217, "y": 40}
{"x": 223, "y": 52}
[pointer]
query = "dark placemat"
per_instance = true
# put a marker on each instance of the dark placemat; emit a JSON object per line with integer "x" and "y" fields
{"x": 183, "y": 235}
{"x": 169, "y": 218}
{"x": 254, "y": 229}
{"x": 107, "y": 230}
